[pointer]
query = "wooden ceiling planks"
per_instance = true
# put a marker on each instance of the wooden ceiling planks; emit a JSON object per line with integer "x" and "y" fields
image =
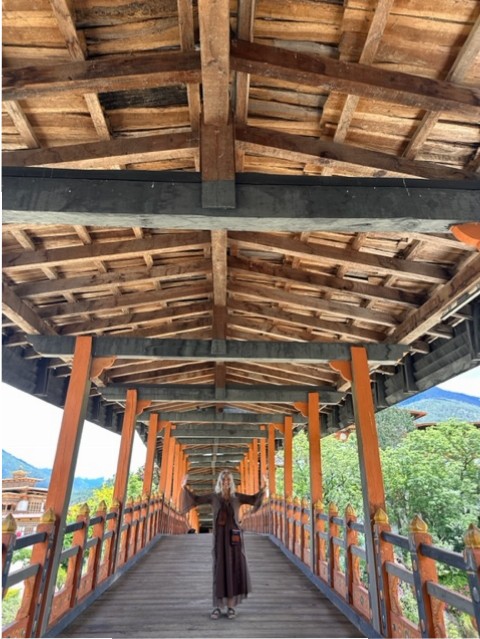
{"x": 284, "y": 87}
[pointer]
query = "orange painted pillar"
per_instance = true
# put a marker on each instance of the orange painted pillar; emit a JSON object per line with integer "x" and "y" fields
{"x": 166, "y": 445}
{"x": 58, "y": 496}
{"x": 370, "y": 468}
{"x": 316, "y": 487}
{"x": 287, "y": 473}
{"x": 151, "y": 450}
{"x": 271, "y": 460}
{"x": 255, "y": 468}
{"x": 123, "y": 465}
{"x": 177, "y": 454}
{"x": 169, "y": 469}
{"x": 263, "y": 459}
{"x": 288, "y": 457}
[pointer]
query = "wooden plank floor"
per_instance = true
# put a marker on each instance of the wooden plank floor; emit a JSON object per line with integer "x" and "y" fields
{"x": 168, "y": 594}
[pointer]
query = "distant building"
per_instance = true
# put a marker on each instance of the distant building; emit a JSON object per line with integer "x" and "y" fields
{"x": 23, "y": 500}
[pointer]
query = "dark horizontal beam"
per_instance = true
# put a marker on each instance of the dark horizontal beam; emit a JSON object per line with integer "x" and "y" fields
{"x": 191, "y": 441}
{"x": 264, "y": 203}
{"x": 209, "y": 394}
{"x": 212, "y": 417}
{"x": 219, "y": 431}
{"x": 218, "y": 350}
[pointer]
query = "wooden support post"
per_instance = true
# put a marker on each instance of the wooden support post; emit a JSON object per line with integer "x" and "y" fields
{"x": 151, "y": 450}
{"x": 123, "y": 464}
{"x": 370, "y": 467}
{"x": 389, "y": 603}
{"x": 63, "y": 471}
{"x": 255, "y": 466}
{"x": 167, "y": 426}
{"x": 95, "y": 555}
{"x": 176, "y": 479}
{"x": 430, "y": 610}
{"x": 75, "y": 564}
{"x": 287, "y": 472}
{"x": 271, "y": 460}
{"x": 314, "y": 447}
{"x": 471, "y": 555}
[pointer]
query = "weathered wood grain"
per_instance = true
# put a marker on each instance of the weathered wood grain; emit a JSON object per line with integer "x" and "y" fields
{"x": 168, "y": 594}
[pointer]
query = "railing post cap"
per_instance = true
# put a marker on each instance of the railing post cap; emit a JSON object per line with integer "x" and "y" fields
{"x": 381, "y": 517}
{"x": 305, "y": 503}
{"x": 297, "y": 501}
{"x": 129, "y": 503}
{"x": 289, "y": 499}
{"x": 84, "y": 510}
{"x": 472, "y": 537}
{"x": 332, "y": 507}
{"x": 145, "y": 497}
{"x": 102, "y": 506}
{"x": 350, "y": 511}
{"x": 48, "y": 517}
{"x": 115, "y": 504}
{"x": 417, "y": 525}
{"x": 319, "y": 505}
{"x": 9, "y": 525}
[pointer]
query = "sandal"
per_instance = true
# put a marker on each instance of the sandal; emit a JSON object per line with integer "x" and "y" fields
{"x": 215, "y": 614}
{"x": 231, "y": 614}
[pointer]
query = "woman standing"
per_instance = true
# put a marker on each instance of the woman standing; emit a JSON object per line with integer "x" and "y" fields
{"x": 231, "y": 581}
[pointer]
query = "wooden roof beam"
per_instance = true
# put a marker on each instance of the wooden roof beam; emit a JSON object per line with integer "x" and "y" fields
{"x": 356, "y": 79}
{"x": 298, "y": 148}
{"x": 115, "y": 73}
{"x": 210, "y": 416}
{"x": 203, "y": 393}
{"x": 272, "y": 203}
{"x": 207, "y": 350}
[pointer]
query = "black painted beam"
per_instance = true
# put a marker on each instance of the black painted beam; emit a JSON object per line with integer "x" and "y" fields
{"x": 263, "y": 202}
{"x": 218, "y": 350}
{"x": 210, "y": 416}
{"x": 204, "y": 393}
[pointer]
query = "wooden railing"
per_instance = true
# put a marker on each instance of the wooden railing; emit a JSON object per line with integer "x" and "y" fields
{"x": 334, "y": 552}
{"x": 101, "y": 547}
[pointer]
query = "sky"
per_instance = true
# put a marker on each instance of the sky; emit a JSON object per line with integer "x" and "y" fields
{"x": 30, "y": 430}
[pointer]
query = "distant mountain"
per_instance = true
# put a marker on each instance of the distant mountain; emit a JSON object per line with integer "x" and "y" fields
{"x": 82, "y": 486}
{"x": 441, "y": 405}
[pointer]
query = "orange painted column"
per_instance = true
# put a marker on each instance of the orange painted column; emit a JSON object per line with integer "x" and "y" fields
{"x": 58, "y": 496}
{"x": 315, "y": 456}
{"x": 166, "y": 446}
{"x": 271, "y": 460}
{"x": 263, "y": 459}
{"x": 370, "y": 467}
{"x": 169, "y": 469}
{"x": 123, "y": 465}
{"x": 177, "y": 455}
{"x": 255, "y": 467}
{"x": 151, "y": 450}
{"x": 288, "y": 457}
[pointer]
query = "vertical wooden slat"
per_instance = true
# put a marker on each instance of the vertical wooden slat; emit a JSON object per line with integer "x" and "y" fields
{"x": 255, "y": 467}
{"x": 263, "y": 459}
{"x": 271, "y": 459}
{"x": 151, "y": 450}
{"x": 166, "y": 446}
{"x": 58, "y": 496}
{"x": 169, "y": 469}
{"x": 123, "y": 463}
{"x": 314, "y": 442}
{"x": 288, "y": 460}
{"x": 373, "y": 492}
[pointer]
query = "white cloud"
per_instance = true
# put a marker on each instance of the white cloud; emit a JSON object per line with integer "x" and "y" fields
{"x": 30, "y": 432}
{"x": 467, "y": 383}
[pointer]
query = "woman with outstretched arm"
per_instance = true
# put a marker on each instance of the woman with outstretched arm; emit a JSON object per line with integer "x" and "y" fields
{"x": 231, "y": 581}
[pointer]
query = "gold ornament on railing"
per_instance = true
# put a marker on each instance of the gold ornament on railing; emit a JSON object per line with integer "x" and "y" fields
{"x": 349, "y": 511}
{"x": 472, "y": 537}
{"x": 84, "y": 510}
{"x": 319, "y": 505}
{"x": 289, "y": 500}
{"x": 9, "y": 525}
{"x": 332, "y": 507}
{"x": 115, "y": 505}
{"x": 145, "y": 497}
{"x": 48, "y": 517}
{"x": 305, "y": 503}
{"x": 129, "y": 503}
{"x": 417, "y": 525}
{"x": 297, "y": 502}
{"x": 380, "y": 517}
{"x": 102, "y": 507}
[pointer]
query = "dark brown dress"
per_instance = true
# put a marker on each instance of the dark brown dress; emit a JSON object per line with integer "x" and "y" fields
{"x": 231, "y": 580}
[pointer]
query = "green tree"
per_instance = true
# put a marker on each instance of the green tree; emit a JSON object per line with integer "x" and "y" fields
{"x": 393, "y": 424}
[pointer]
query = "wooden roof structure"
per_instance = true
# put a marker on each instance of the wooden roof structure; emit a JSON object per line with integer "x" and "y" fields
{"x": 248, "y": 171}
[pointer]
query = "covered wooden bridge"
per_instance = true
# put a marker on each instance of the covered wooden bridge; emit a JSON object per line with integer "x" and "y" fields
{"x": 223, "y": 223}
